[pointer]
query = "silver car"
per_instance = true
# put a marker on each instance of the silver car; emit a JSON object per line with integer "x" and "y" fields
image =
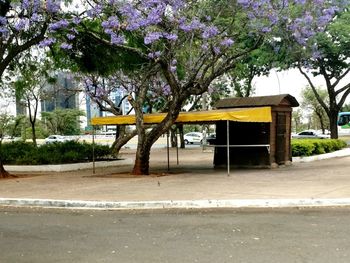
{"x": 193, "y": 137}
{"x": 55, "y": 138}
{"x": 310, "y": 134}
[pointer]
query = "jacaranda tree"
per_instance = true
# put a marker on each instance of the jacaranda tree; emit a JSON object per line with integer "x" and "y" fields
{"x": 185, "y": 47}
{"x": 181, "y": 44}
{"x": 24, "y": 24}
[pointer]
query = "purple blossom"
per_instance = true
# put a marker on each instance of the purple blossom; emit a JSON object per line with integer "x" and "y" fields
{"x": 94, "y": 12}
{"x": 36, "y": 17}
{"x": 117, "y": 39}
{"x": 58, "y": 25}
{"x": 53, "y": 6}
{"x": 209, "y": 32}
{"x": 330, "y": 11}
{"x": 66, "y": 46}
{"x": 173, "y": 65}
{"x": 171, "y": 37}
{"x": 216, "y": 50}
{"x": 47, "y": 42}
{"x": 154, "y": 55}
{"x": 76, "y": 20}
{"x": 112, "y": 22}
{"x": 155, "y": 15}
{"x": 151, "y": 37}
{"x": 166, "y": 90}
{"x": 25, "y": 4}
{"x": 227, "y": 42}
{"x": 244, "y": 3}
{"x": 3, "y": 31}
{"x": 266, "y": 29}
{"x": 70, "y": 36}
{"x": 205, "y": 46}
{"x": 3, "y": 20}
{"x": 316, "y": 54}
{"x": 21, "y": 24}
{"x": 36, "y": 6}
{"x": 195, "y": 24}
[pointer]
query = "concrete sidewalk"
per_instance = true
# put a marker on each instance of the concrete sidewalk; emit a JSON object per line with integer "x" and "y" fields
{"x": 191, "y": 184}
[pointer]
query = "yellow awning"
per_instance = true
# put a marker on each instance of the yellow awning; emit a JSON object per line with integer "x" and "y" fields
{"x": 258, "y": 114}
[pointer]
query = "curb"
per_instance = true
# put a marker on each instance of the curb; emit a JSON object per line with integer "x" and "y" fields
{"x": 339, "y": 153}
{"x": 174, "y": 204}
{"x": 66, "y": 167}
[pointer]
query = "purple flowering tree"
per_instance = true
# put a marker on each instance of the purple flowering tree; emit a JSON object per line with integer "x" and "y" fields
{"x": 328, "y": 56}
{"x": 99, "y": 89}
{"x": 23, "y": 24}
{"x": 187, "y": 45}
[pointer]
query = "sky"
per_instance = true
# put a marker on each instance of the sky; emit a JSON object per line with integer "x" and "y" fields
{"x": 286, "y": 82}
{"x": 289, "y": 82}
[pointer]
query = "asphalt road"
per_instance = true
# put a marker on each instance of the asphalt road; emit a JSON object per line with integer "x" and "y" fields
{"x": 294, "y": 235}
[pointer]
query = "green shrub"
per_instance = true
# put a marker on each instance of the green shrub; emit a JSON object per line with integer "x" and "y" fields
{"x": 302, "y": 148}
{"x": 54, "y": 153}
{"x": 308, "y": 147}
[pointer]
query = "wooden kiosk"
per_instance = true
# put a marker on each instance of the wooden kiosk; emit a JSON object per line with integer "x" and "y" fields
{"x": 255, "y": 144}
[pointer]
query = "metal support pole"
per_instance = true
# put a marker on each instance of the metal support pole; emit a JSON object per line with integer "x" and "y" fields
{"x": 167, "y": 149}
{"x": 228, "y": 146}
{"x": 93, "y": 150}
{"x": 177, "y": 151}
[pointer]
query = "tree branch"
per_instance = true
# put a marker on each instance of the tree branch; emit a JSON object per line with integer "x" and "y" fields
{"x": 318, "y": 97}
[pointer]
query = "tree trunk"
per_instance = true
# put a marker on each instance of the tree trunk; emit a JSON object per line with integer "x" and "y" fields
{"x": 320, "y": 118}
{"x": 141, "y": 165}
{"x": 121, "y": 140}
{"x": 3, "y": 172}
{"x": 181, "y": 134}
{"x": 333, "y": 124}
{"x": 173, "y": 137}
{"x": 146, "y": 140}
{"x": 33, "y": 133}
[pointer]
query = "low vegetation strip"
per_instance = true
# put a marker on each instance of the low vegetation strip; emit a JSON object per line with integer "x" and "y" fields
{"x": 22, "y": 153}
{"x": 309, "y": 147}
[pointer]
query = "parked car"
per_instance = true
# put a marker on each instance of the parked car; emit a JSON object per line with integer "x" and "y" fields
{"x": 55, "y": 138}
{"x": 11, "y": 139}
{"x": 211, "y": 138}
{"x": 193, "y": 137}
{"x": 310, "y": 134}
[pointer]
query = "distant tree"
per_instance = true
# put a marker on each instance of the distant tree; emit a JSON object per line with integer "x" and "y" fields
{"x": 5, "y": 120}
{"x": 62, "y": 121}
{"x": 297, "y": 117}
{"x": 346, "y": 107}
{"x": 15, "y": 126}
{"x": 310, "y": 103}
{"x": 32, "y": 77}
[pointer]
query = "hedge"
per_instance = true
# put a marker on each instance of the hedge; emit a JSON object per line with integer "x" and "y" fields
{"x": 22, "y": 153}
{"x": 308, "y": 147}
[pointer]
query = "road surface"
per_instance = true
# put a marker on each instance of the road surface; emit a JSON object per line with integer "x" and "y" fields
{"x": 294, "y": 235}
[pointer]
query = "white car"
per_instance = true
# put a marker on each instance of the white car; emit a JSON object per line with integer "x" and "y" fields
{"x": 193, "y": 137}
{"x": 55, "y": 138}
{"x": 310, "y": 134}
